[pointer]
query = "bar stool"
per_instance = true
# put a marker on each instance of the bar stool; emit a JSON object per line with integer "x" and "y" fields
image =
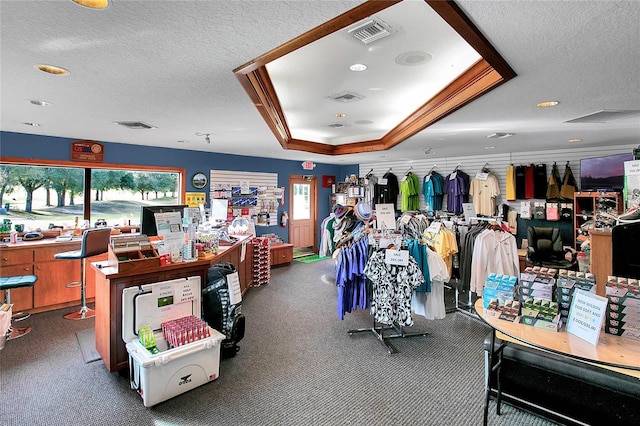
{"x": 94, "y": 242}
{"x": 8, "y": 283}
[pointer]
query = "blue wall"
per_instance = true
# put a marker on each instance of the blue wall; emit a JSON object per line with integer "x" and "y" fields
{"x": 34, "y": 147}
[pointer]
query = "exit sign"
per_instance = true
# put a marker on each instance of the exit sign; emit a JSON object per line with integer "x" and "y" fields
{"x": 308, "y": 165}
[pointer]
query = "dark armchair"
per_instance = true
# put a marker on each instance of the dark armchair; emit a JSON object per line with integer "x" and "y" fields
{"x": 545, "y": 249}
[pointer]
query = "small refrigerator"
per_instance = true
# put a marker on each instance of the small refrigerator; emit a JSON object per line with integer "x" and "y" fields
{"x": 168, "y": 371}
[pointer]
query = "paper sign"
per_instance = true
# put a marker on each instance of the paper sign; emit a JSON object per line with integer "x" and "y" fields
{"x": 586, "y": 315}
{"x": 396, "y": 257}
{"x": 482, "y": 176}
{"x": 386, "y": 216}
{"x": 233, "y": 284}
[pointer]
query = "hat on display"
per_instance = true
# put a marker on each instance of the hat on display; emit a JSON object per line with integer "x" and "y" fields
{"x": 339, "y": 211}
{"x": 364, "y": 211}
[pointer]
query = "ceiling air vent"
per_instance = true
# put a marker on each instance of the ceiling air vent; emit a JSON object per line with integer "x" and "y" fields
{"x": 337, "y": 125}
{"x": 605, "y": 116}
{"x": 135, "y": 125}
{"x": 370, "y": 31}
{"x": 346, "y": 97}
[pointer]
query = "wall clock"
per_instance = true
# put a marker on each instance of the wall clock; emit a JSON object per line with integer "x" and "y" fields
{"x": 199, "y": 180}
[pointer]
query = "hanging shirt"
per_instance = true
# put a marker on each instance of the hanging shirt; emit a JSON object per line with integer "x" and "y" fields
{"x": 410, "y": 192}
{"x": 392, "y": 289}
{"x": 484, "y": 193}
{"x": 493, "y": 252}
{"x": 520, "y": 182}
{"x": 540, "y": 181}
{"x": 431, "y": 305}
{"x": 528, "y": 181}
{"x": 511, "y": 183}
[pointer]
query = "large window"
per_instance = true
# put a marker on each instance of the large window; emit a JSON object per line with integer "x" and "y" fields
{"x": 45, "y": 196}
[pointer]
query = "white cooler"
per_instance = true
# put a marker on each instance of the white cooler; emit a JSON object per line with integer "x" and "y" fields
{"x": 174, "y": 371}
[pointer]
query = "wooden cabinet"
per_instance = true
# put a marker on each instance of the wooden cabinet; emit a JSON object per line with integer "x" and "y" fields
{"x": 601, "y": 259}
{"x": 15, "y": 262}
{"x": 597, "y": 208}
{"x": 281, "y": 254}
{"x": 52, "y": 290}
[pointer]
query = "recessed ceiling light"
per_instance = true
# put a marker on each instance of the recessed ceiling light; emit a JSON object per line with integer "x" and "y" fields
{"x": 341, "y": 115}
{"x": 358, "y": 67}
{"x": 547, "y": 104}
{"x": 52, "y": 69}
{"x": 182, "y": 141}
{"x": 40, "y": 103}
{"x": 575, "y": 140}
{"x": 32, "y": 124}
{"x": 93, "y": 4}
{"x": 489, "y": 147}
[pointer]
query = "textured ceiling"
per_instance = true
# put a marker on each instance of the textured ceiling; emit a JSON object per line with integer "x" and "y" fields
{"x": 170, "y": 64}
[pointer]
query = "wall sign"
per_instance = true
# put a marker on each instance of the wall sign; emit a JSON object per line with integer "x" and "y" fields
{"x": 308, "y": 165}
{"x": 87, "y": 151}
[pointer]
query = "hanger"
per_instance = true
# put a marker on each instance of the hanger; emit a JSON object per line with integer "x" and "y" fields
{"x": 433, "y": 168}
{"x": 457, "y": 167}
{"x": 409, "y": 171}
{"x": 485, "y": 168}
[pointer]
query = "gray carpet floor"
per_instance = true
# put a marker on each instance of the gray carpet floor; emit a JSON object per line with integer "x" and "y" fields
{"x": 297, "y": 365}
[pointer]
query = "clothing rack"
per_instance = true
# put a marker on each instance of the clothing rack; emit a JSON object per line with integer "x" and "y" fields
{"x": 378, "y": 332}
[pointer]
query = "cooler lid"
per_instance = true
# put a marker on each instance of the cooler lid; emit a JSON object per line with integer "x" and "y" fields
{"x": 152, "y": 304}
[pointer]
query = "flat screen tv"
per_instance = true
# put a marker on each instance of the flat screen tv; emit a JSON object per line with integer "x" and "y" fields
{"x": 603, "y": 174}
{"x": 148, "y": 220}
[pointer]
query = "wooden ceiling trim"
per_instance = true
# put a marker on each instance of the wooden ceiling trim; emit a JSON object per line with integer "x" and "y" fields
{"x": 488, "y": 73}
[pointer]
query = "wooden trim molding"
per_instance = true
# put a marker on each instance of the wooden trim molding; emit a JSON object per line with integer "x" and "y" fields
{"x": 488, "y": 73}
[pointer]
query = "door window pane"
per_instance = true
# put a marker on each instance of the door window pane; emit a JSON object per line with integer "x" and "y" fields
{"x": 301, "y": 201}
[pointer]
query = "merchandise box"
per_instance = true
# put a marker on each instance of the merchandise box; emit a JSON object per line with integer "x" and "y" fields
{"x": 618, "y": 331}
{"x": 541, "y": 294}
{"x": 507, "y": 311}
{"x": 170, "y": 371}
{"x": 536, "y": 285}
{"x": 554, "y": 324}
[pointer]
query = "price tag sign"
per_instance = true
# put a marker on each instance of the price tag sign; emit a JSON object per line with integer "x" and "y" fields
{"x": 434, "y": 227}
{"x": 482, "y": 176}
{"x": 586, "y": 315}
{"x": 385, "y": 215}
{"x": 233, "y": 284}
{"x": 396, "y": 257}
{"x": 383, "y": 181}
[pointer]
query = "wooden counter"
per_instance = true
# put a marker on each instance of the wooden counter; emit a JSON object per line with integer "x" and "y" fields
{"x": 37, "y": 258}
{"x": 110, "y": 284}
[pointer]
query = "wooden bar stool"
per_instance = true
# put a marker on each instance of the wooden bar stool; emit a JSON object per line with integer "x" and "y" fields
{"x": 94, "y": 242}
{"x": 8, "y": 283}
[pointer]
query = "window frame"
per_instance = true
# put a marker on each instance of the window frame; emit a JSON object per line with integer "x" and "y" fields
{"x": 86, "y": 165}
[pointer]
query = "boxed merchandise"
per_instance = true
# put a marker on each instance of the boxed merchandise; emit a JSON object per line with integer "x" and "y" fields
{"x": 508, "y": 311}
{"x": 541, "y": 313}
{"x": 623, "y": 308}
{"x": 171, "y": 350}
{"x": 500, "y": 287}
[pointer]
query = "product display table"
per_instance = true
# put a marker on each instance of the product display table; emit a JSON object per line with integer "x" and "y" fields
{"x": 613, "y": 352}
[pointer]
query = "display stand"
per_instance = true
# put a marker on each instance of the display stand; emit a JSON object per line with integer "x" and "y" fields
{"x": 378, "y": 332}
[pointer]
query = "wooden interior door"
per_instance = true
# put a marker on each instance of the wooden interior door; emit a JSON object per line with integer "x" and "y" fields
{"x": 303, "y": 204}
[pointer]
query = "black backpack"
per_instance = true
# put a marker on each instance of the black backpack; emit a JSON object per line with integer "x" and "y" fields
{"x": 219, "y": 313}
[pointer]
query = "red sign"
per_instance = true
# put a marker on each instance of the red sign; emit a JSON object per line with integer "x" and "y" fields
{"x": 308, "y": 165}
